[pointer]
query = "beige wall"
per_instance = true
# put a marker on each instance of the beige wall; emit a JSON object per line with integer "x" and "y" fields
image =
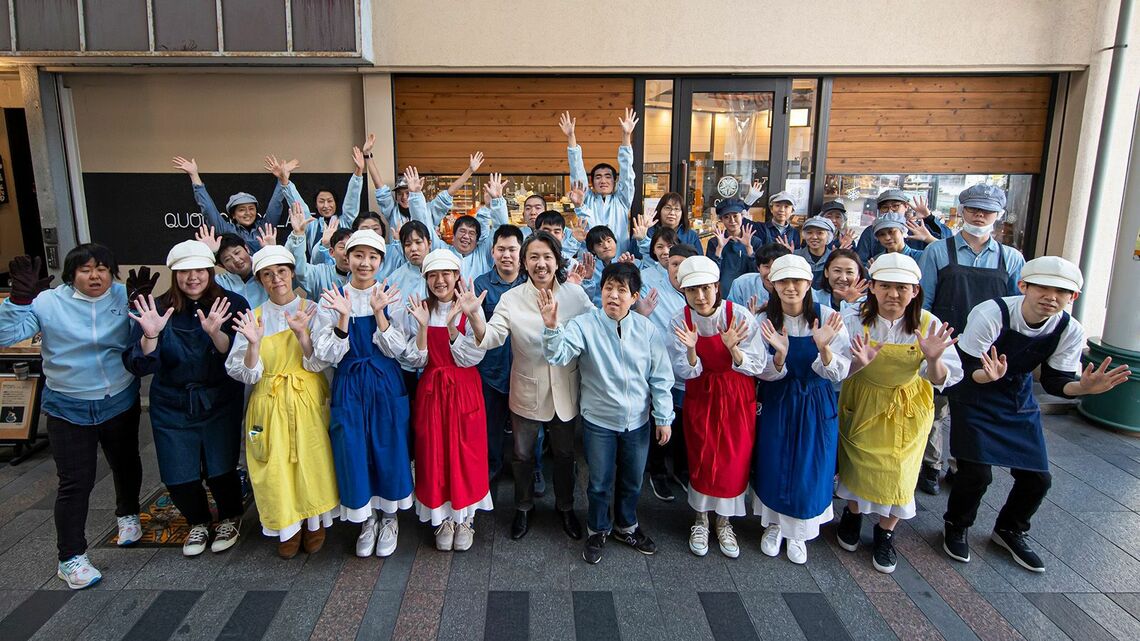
{"x": 228, "y": 122}
{"x": 756, "y": 36}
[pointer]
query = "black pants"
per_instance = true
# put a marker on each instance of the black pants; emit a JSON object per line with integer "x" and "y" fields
{"x": 970, "y": 483}
{"x": 191, "y": 501}
{"x": 561, "y": 435}
{"x": 411, "y": 382}
{"x": 497, "y": 405}
{"x": 75, "y": 450}
{"x": 673, "y": 450}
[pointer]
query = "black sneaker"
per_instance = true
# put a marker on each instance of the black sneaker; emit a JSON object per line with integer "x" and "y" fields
{"x": 1018, "y": 546}
{"x": 681, "y": 479}
{"x": 949, "y": 478}
{"x": 659, "y": 483}
{"x": 928, "y": 480}
{"x": 883, "y": 556}
{"x": 848, "y": 533}
{"x": 637, "y": 539}
{"x": 595, "y": 545}
{"x": 954, "y": 543}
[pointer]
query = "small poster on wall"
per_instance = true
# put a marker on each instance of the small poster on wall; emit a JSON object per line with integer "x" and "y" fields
{"x": 800, "y": 189}
{"x": 3, "y": 184}
{"x": 17, "y": 398}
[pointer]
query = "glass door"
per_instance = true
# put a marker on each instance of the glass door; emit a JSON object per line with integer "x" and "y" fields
{"x": 731, "y": 141}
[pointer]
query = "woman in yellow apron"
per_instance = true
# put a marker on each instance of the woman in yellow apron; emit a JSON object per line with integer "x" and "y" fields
{"x": 899, "y": 353}
{"x": 287, "y": 420}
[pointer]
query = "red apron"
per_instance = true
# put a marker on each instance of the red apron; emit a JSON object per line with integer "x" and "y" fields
{"x": 720, "y": 419}
{"x": 450, "y": 428}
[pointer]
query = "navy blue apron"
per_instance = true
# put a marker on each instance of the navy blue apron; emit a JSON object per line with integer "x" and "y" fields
{"x": 961, "y": 287}
{"x": 797, "y": 436}
{"x": 369, "y": 422}
{"x": 196, "y": 425}
{"x": 999, "y": 423}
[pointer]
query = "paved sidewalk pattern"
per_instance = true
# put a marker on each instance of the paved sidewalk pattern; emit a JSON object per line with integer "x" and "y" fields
{"x": 1088, "y": 532}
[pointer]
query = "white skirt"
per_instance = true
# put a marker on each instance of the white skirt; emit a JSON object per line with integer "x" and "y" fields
{"x": 362, "y": 514}
{"x": 736, "y": 506}
{"x": 445, "y": 512}
{"x": 312, "y": 524}
{"x": 903, "y": 512}
{"x": 790, "y": 526}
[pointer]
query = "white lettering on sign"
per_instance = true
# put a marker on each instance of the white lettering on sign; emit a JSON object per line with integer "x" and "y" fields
{"x": 184, "y": 220}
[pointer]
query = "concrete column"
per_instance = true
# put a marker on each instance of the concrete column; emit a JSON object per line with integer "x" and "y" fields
{"x": 378, "y": 119}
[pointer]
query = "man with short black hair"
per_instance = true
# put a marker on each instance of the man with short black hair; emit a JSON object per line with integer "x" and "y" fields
{"x": 610, "y": 196}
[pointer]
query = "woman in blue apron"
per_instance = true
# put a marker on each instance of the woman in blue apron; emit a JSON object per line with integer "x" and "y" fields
{"x": 182, "y": 338}
{"x": 369, "y": 413}
{"x": 798, "y": 427}
{"x": 995, "y": 417}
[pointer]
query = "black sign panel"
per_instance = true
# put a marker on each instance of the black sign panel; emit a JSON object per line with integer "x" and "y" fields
{"x": 141, "y": 216}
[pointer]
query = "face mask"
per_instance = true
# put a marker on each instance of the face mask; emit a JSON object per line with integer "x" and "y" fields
{"x": 975, "y": 230}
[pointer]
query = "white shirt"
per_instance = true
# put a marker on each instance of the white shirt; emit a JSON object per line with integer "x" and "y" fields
{"x": 894, "y": 332}
{"x": 755, "y": 354}
{"x": 797, "y": 326}
{"x": 273, "y": 318}
{"x": 331, "y": 348}
{"x": 463, "y": 349}
{"x": 983, "y": 326}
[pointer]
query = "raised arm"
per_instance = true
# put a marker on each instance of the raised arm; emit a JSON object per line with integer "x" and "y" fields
{"x": 202, "y": 197}
{"x": 624, "y": 190}
{"x": 476, "y": 160}
{"x": 573, "y": 151}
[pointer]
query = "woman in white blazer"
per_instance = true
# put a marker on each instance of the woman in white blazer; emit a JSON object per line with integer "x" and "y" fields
{"x": 541, "y": 394}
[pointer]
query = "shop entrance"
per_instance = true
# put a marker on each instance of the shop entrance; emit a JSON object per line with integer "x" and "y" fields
{"x": 730, "y": 137}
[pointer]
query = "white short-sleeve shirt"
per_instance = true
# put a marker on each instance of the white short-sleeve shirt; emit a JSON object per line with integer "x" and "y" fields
{"x": 983, "y": 326}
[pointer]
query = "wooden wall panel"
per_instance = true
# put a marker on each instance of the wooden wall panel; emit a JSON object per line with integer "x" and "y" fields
{"x": 986, "y": 124}
{"x": 513, "y": 121}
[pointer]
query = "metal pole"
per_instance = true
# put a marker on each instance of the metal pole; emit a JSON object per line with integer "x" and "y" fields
{"x": 1122, "y": 323}
{"x": 1107, "y": 133}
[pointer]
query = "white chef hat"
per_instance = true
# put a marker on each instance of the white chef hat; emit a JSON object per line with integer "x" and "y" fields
{"x": 368, "y": 238}
{"x": 1053, "y": 271}
{"x": 440, "y": 260}
{"x": 896, "y": 268}
{"x": 790, "y": 266}
{"x": 190, "y": 254}
{"x": 698, "y": 270}
{"x": 272, "y": 255}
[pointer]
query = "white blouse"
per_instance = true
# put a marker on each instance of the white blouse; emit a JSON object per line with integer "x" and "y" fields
{"x": 331, "y": 348}
{"x": 273, "y": 318}
{"x": 894, "y": 332}
{"x": 755, "y": 354}
{"x": 463, "y": 349}
{"x": 797, "y": 326}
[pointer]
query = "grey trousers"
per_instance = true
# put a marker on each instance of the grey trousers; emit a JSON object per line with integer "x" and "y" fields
{"x": 939, "y": 430}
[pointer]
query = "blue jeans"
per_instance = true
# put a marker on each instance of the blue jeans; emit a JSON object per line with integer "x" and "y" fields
{"x": 605, "y": 451}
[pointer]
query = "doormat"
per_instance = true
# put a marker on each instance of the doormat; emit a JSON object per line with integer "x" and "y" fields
{"x": 163, "y": 526}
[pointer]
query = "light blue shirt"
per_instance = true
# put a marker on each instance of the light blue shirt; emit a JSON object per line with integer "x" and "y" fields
{"x": 937, "y": 256}
{"x": 478, "y": 261}
{"x": 349, "y": 210}
{"x": 251, "y": 290}
{"x": 83, "y": 342}
{"x": 408, "y": 279}
{"x": 745, "y": 287}
{"x": 613, "y": 210}
{"x": 570, "y": 245}
{"x": 439, "y": 206}
{"x": 821, "y": 297}
{"x": 625, "y": 370}
{"x": 314, "y": 279}
{"x": 393, "y": 258}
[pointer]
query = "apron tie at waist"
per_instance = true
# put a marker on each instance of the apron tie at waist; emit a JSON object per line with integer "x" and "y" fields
{"x": 295, "y": 383}
{"x": 904, "y": 405}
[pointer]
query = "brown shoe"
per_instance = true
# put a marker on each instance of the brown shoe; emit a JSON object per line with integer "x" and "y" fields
{"x": 288, "y": 549}
{"x": 313, "y": 541}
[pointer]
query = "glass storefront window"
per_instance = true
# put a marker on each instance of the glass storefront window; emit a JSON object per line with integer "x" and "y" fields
{"x": 552, "y": 187}
{"x": 801, "y": 133}
{"x": 657, "y": 151}
{"x": 858, "y": 191}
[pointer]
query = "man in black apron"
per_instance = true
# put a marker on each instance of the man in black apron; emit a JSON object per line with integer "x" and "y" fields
{"x": 996, "y": 419}
{"x": 958, "y": 273}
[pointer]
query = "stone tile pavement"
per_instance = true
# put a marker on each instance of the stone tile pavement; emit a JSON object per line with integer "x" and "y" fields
{"x": 539, "y": 588}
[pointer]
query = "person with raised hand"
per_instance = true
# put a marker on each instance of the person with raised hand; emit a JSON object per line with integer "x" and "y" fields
{"x": 242, "y": 217}
{"x": 369, "y": 412}
{"x": 845, "y": 281}
{"x": 327, "y": 212}
{"x": 232, "y": 253}
{"x": 90, "y": 398}
{"x": 611, "y": 193}
{"x": 669, "y": 214}
{"x": 754, "y": 289}
{"x": 734, "y": 244}
{"x": 713, "y": 349}
{"x": 288, "y": 453}
{"x": 797, "y": 430}
{"x": 316, "y": 278}
{"x": 995, "y": 419}
{"x": 394, "y": 202}
{"x": 471, "y": 240}
{"x": 182, "y": 338}
{"x": 452, "y": 482}
{"x": 899, "y": 354}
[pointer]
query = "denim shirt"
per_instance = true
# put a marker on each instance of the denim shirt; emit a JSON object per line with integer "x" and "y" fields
{"x": 495, "y": 368}
{"x": 274, "y": 215}
{"x": 937, "y": 255}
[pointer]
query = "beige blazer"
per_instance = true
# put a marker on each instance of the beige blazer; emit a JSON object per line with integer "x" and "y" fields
{"x": 539, "y": 390}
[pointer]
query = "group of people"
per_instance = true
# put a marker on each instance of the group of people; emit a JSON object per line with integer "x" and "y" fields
{"x": 779, "y": 367}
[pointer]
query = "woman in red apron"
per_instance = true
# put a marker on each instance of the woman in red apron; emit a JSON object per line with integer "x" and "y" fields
{"x": 451, "y": 425}
{"x": 714, "y": 350}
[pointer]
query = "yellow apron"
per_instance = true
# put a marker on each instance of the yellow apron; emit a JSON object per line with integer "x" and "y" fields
{"x": 885, "y": 411}
{"x": 287, "y": 437}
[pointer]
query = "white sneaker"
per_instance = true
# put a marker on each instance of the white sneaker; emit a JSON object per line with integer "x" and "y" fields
{"x": 464, "y": 536}
{"x": 366, "y": 542}
{"x": 225, "y": 536}
{"x": 727, "y": 538}
{"x": 797, "y": 551}
{"x": 699, "y": 536}
{"x": 78, "y": 572}
{"x": 196, "y": 541}
{"x": 130, "y": 530}
{"x": 445, "y": 536}
{"x": 772, "y": 540}
{"x": 389, "y": 530}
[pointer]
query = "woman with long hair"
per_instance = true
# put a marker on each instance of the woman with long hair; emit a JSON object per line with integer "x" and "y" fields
{"x": 183, "y": 338}
{"x": 899, "y": 353}
{"x": 845, "y": 281}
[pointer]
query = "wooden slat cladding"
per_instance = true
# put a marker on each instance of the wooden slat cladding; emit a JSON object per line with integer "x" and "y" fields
{"x": 985, "y": 124}
{"x": 512, "y": 120}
